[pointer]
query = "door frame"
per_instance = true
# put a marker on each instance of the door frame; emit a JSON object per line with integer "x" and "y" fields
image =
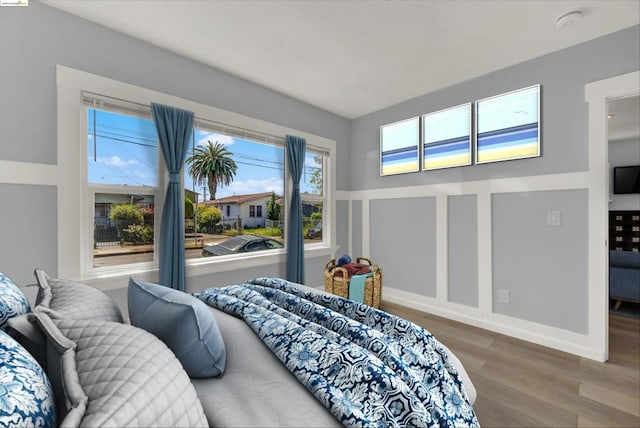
{"x": 597, "y": 95}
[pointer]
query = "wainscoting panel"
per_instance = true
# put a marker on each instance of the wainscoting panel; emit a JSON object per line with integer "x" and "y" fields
{"x": 403, "y": 241}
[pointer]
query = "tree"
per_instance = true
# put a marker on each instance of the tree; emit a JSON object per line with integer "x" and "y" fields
{"x": 212, "y": 164}
{"x": 273, "y": 208}
{"x": 316, "y": 175}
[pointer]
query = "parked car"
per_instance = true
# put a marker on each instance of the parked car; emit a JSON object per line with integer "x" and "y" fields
{"x": 241, "y": 244}
{"x": 315, "y": 231}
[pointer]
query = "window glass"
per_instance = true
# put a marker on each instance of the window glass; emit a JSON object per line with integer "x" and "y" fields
{"x": 233, "y": 186}
{"x": 122, "y": 149}
{"x": 231, "y": 178}
{"x": 122, "y": 172}
{"x": 312, "y": 195}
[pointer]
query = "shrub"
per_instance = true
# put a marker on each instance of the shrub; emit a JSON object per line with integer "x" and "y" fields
{"x": 208, "y": 218}
{"x": 139, "y": 233}
{"x": 188, "y": 208}
{"x": 126, "y": 213}
{"x": 316, "y": 217}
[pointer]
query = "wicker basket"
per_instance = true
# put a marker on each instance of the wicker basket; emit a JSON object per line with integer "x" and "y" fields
{"x": 340, "y": 285}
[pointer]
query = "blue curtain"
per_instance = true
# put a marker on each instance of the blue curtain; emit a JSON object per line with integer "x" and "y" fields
{"x": 296, "y": 147}
{"x": 174, "y": 133}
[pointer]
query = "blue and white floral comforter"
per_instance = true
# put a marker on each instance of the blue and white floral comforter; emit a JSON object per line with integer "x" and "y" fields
{"x": 368, "y": 367}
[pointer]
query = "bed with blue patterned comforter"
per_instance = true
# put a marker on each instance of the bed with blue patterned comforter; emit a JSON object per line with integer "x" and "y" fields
{"x": 365, "y": 366}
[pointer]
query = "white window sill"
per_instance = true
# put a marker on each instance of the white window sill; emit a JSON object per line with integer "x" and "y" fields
{"x": 117, "y": 277}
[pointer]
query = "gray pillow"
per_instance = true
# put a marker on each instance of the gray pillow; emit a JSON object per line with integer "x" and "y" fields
{"x": 75, "y": 300}
{"x": 184, "y": 323}
{"x": 111, "y": 374}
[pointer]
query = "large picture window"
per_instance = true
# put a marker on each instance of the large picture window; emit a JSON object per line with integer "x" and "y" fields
{"x": 122, "y": 176}
{"x": 234, "y": 187}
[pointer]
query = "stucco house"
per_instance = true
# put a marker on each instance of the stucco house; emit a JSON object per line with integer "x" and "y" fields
{"x": 250, "y": 208}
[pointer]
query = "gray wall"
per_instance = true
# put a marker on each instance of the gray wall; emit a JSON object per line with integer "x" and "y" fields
{"x": 623, "y": 153}
{"x": 544, "y": 268}
{"x": 403, "y": 241}
{"x": 342, "y": 227}
{"x": 462, "y": 249}
{"x": 564, "y": 113}
{"x": 28, "y": 231}
{"x": 35, "y": 39}
{"x": 356, "y": 228}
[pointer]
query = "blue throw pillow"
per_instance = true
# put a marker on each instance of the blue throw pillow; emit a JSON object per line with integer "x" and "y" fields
{"x": 185, "y": 324}
{"x": 13, "y": 302}
{"x": 26, "y": 397}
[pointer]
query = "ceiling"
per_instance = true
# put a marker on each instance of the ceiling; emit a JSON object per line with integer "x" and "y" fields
{"x": 353, "y": 57}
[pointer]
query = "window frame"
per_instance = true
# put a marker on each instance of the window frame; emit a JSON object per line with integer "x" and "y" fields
{"x": 75, "y": 242}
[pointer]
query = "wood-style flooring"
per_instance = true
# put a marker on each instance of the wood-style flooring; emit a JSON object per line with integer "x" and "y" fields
{"x": 521, "y": 384}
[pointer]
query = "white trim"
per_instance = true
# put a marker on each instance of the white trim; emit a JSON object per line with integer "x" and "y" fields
{"x": 572, "y": 180}
{"x": 71, "y": 180}
{"x": 442, "y": 246}
{"x": 485, "y": 251}
{"x": 12, "y": 172}
{"x": 116, "y": 280}
{"x": 366, "y": 229}
{"x": 552, "y": 337}
{"x": 483, "y": 315}
{"x": 597, "y": 95}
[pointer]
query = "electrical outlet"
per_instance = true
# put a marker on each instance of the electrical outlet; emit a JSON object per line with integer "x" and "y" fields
{"x": 553, "y": 218}
{"x": 503, "y": 296}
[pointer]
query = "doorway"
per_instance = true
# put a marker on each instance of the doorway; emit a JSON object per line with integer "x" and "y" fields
{"x": 598, "y": 95}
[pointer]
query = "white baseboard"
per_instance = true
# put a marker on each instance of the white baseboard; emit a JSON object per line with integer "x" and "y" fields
{"x": 552, "y": 337}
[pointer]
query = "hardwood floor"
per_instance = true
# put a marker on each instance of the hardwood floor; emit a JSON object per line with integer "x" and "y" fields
{"x": 521, "y": 384}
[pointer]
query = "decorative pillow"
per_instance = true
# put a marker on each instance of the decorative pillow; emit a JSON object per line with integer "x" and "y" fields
{"x": 113, "y": 374}
{"x": 26, "y": 397}
{"x": 185, "y": 324}
{"x": 13, "y": 302}
{"x": 75, "y": 300}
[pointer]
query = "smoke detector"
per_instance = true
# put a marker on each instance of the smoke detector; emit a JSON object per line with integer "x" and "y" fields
{"x": 568, "y": 19}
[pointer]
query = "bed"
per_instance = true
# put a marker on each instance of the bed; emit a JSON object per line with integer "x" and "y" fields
{"x": 263, "y": 353}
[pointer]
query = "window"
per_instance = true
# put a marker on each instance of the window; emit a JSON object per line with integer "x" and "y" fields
{"x": 122, "y": 176}
{"x": 248, "y": 169}
{"x": 313, "y": 196}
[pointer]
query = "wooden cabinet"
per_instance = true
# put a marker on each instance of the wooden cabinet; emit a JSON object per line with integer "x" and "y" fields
{"x": 624, "y": 230}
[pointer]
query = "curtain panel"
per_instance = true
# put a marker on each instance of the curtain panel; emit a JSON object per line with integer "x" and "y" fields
{"x": 296, "y": 148}
{"x": 174, "y": 128}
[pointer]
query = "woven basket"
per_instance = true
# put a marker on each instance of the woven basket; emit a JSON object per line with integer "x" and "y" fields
{"x": 340, "y": 285}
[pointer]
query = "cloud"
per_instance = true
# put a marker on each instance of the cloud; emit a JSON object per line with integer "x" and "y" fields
{"x": 117, "y": 161}
{"x": 213, "y": 137}
{"x": 310, "y": 161}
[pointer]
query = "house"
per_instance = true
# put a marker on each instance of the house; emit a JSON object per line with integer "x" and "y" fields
{"x": 472, "y": 244}
{"x": 250, "y": 209}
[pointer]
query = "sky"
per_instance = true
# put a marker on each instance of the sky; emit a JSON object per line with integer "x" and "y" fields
{"x": 123, "y": 150}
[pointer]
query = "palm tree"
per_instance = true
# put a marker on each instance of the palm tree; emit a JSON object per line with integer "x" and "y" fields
{"x": 212, "y": 164}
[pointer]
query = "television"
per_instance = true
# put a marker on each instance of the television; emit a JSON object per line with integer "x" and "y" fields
{"x": 626, "y": 179}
